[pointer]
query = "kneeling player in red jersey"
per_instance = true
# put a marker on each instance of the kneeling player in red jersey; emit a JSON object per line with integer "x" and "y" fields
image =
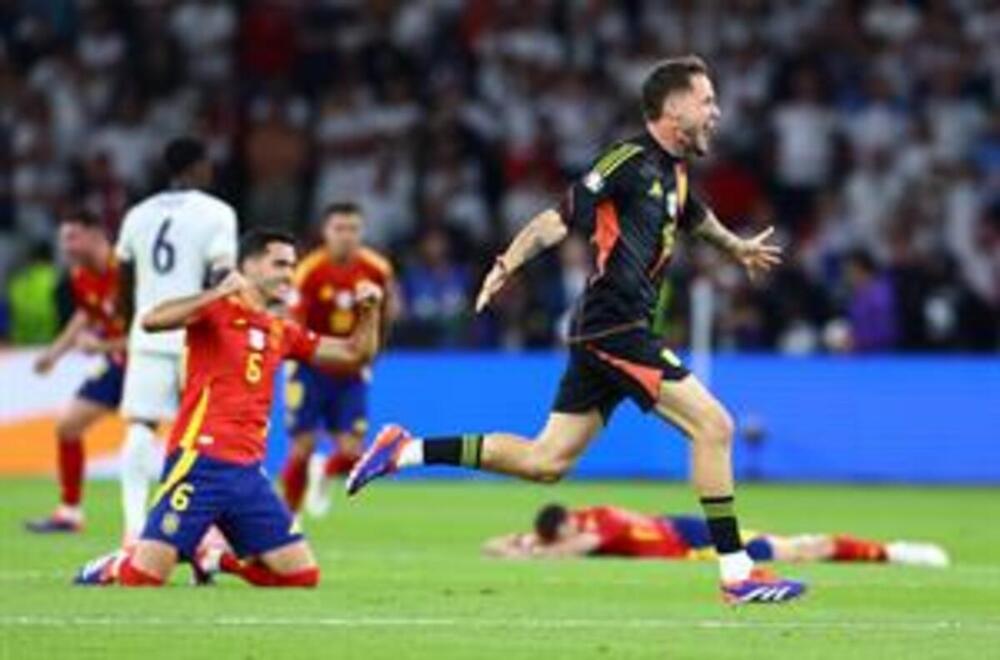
{"x": 213, "y": 473}
{"x": 606, "y": 531}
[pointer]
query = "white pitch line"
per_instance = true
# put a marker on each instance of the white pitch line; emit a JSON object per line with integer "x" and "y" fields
{"x": 537, "y": 624}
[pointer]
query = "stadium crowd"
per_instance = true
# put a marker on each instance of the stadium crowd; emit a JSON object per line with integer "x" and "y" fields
{"x": 868, "y": 132}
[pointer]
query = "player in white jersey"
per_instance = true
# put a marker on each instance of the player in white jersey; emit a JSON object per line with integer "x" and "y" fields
{"x": 171, "y": 244}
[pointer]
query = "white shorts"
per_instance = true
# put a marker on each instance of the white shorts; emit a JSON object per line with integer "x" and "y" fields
{"x": 152, "y": 386}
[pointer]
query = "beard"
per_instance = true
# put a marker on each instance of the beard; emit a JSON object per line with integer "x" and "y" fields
{"x": 697, "y": 139}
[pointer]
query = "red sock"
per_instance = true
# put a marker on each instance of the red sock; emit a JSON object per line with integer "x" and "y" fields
{"x": 339, "y": 464}
{"x": 130, "y": 576}
{"x": 848, "y": 548}
{"x": 260, "y": 575}
{"x": 294, "y": 477}
{"x": 70, "y": 470}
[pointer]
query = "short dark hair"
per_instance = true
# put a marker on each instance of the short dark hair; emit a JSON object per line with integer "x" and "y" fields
{"x": 81, "y": 216}
{"x": 342, "y": 208}
{"x": 669, "y": 76}
{"x": 181, "y": 153}
{"x": 254, "y": 242}
{"x": 548, "y": 521}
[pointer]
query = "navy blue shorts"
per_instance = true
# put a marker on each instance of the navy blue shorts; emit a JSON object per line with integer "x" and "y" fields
{"x": 695, "y": 532}
{"x": 197, "y": 492}
{"x": 104, "y": 387}
{"x": 317, "y": 401}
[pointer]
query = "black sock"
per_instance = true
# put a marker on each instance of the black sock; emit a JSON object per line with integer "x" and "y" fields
{"x": 465, "y": 450}
{"x": 721, "y": 519}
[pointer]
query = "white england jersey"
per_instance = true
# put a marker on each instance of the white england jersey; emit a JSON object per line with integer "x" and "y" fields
{"x": 172, "y": 238}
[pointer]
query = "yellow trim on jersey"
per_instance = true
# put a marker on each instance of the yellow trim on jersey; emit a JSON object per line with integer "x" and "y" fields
{"x": 189, "y": 454}
{"x": 197, "y": 418}
{"x": 179, "y": 471}
{"x": 616, "y": 158}
{"x": 377, "y": 260}
{"x": 310, "y": 263}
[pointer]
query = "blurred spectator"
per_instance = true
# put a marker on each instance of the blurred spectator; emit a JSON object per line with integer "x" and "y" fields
{"x": 275, "y": 156}
{"x": 435, "y": 295}
{"x": 852, "y": 125}
{"x": 32, "y": 299}
{"x": 871, "y": 305}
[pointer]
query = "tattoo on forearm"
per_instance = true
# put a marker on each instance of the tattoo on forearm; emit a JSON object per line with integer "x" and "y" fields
{"x": 715, "y": 233}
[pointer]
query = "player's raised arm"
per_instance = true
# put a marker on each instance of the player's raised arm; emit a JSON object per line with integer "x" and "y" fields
{"x": 179, "y": 312}
{"x": 542, "y": 232}
{"x": 363, "y": 343}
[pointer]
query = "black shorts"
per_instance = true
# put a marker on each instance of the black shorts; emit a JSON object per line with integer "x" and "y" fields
{"x": 603, "y": 371}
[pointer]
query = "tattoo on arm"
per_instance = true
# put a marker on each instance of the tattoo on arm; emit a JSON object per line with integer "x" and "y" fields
{"x": 545, "y": 230}
{"x": 712, "y": 231}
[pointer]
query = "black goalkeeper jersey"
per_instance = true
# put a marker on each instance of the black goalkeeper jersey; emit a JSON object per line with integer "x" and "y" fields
{"x": 630, "y": 205}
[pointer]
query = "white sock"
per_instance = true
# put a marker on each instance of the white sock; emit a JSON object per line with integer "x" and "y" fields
{"x": 735, "y": 566}
{"x": 411, "y": 454}
{"x": 138, "y": 457}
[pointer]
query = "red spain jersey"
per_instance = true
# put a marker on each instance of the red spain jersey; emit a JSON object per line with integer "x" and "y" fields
{"x": 627, "y": 534}
{"x": 233, "y": 352}
{"x": 325, "y": 292}
{"x": 95, "y": 292}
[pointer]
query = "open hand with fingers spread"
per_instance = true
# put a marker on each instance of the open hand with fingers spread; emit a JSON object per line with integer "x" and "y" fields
{"x": 757, "y": 255}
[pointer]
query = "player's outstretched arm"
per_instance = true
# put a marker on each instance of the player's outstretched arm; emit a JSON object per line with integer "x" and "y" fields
{"x": 179, "y": 312}
{"x": 755, "y": 254}
{"x": 542, "y": 232}
{"x": 577, "y": 545}
{"x": 363, "y": 343}
{"x": 63, "y": 343}
{"x": 94, "y": 345}
{"x": 509, "y": 546}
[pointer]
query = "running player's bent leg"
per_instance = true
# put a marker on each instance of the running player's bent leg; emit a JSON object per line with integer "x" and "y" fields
{"x": 546, "y": 459}
{"x": 691, "y": 407}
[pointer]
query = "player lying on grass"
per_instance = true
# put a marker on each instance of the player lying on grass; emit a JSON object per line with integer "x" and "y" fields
{"x": 603, "y": 531}
{"x": 213, "y": 473}
{"x": 95, "y": 328}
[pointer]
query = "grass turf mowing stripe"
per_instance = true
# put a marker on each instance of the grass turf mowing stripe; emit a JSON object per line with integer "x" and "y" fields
{"x": 423, "y": 622}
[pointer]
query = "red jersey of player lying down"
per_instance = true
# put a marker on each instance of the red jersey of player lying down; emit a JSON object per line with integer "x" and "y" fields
{"x": 233, "y": 352}
{"x": 325, "y": 290}
{"x": 627, "y": 534}
{"x": 95, "y": 292}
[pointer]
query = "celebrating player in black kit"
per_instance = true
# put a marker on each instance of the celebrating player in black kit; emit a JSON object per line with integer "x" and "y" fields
{"x": 631, "y": 204}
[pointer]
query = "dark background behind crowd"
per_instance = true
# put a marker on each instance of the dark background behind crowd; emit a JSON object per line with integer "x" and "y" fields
{"x": 868, "y": 132}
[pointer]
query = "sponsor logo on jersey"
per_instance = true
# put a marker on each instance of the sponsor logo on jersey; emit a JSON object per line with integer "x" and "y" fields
{"x": 593, "y": 181}
{"x": 257, "y": 339}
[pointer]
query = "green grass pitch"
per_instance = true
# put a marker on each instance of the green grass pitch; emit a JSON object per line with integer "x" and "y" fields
{"x": 402, "y": 579}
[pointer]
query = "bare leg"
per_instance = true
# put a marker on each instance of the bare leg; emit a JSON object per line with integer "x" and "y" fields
{"x": 697, "y": 413}
{"x": 550, "y": 455}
